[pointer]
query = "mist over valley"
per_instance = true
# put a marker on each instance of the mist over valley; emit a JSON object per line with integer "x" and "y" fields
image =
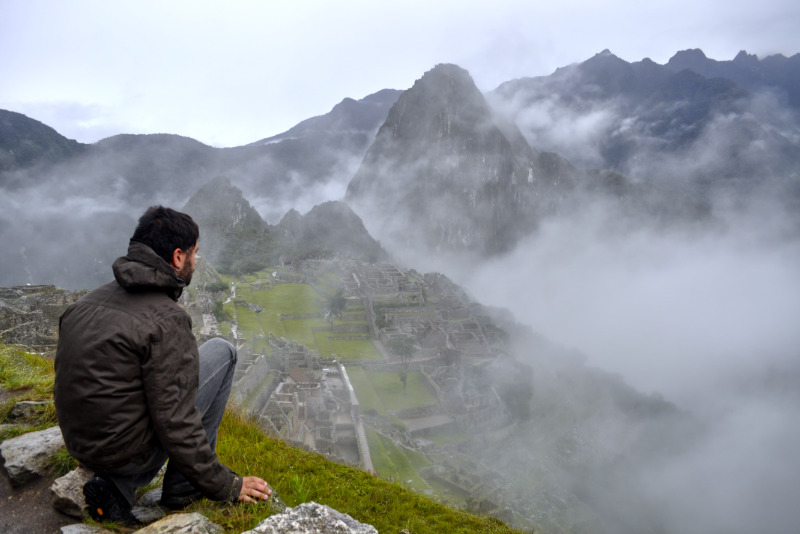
{"x": 632, "y": 228}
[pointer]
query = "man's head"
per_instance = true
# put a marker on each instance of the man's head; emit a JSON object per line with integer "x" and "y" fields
{"x": 172, "y": 235}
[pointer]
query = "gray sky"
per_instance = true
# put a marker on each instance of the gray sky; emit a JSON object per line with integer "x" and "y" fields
{"x": 229, "y": 73}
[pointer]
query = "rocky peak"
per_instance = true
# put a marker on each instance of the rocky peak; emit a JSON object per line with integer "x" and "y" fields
{"x": 330, "y": 228}
{"x": 442, "y": 160}
{"x": 221, "y": 203}
{"x": 693, "y": 59}
{"x": 220, "y": 210}
{"x": 746, "y": 60}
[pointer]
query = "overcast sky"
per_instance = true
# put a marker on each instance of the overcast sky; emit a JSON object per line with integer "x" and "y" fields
{"x": 229, "y": 73}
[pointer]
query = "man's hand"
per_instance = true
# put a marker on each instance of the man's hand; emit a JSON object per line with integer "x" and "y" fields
{"x": 253, "y": 489}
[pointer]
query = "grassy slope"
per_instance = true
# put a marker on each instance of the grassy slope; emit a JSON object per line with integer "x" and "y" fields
{"x": 297, "y": 476}
{"x": 289, "y": 300}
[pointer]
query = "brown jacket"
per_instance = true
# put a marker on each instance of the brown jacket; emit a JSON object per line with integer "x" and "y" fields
{"x": 127, "y": 375}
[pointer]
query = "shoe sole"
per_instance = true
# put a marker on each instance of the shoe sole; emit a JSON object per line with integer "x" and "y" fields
{"x": 102, "y": 503}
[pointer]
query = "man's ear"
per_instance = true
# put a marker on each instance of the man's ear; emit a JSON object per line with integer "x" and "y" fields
{"x": 178, "y": 259}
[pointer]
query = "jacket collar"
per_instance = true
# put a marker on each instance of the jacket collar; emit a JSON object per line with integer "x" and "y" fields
{"x": 144, "y": 270}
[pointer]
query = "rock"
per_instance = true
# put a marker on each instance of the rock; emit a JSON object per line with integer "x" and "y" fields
{"x": 67, "y": 492}
{"x": 193, "y": 523}
{"x": 310, "y": 518}
{"x": 28, "y": 409}
{"x": 148, "y": 514}
{"x": 28, "y": 455}
{"x": 151, "y": 498}
{"x": 80, "y": 528}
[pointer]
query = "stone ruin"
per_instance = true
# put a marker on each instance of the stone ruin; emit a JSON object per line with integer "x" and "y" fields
{"x": 304, "y": 399}
{"x": 29, "y": 315}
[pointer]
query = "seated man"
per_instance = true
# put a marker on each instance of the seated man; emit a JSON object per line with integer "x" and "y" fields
{"x": 132, "y": 389}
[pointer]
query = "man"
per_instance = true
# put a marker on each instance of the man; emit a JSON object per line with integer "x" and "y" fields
{"x": 132, "y": 389}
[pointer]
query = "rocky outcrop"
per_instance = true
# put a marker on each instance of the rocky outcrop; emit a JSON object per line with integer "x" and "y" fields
{"x": 311, "y": 518}
{"x": 29, "y": 315}
{"x": 28, "y": 456}
{"x": 444, "y": 169}
{"x": 67, "y": 492}
{"x": 193, "y": 523}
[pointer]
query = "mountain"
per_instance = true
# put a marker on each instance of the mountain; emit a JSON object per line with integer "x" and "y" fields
{"x": 776, "y": 72}
{"x": 447, "y": 174}
{"x": 25, "y": 142}
{"x": 349, "y": 120}
{"x": 694, "y": 125}
{"x": 442, "y": 163}
{"x": 235, "y": 239}
{"x": 327, "y": 230}
{"x": 233, "y": 236}
{"x": 55, "y": 193}
{"x": 450, "y": 169}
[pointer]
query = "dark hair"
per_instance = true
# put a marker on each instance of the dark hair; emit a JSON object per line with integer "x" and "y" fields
{"x": 164, "y": 230}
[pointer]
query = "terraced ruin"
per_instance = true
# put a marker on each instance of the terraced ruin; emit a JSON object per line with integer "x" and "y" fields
{"x": 326, "y": 378}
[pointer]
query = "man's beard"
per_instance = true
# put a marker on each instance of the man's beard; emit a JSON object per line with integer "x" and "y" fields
{"x": 186, "y": 273}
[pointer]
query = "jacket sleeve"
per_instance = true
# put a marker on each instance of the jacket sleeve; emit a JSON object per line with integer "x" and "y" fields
{"x": 170, "y": 375}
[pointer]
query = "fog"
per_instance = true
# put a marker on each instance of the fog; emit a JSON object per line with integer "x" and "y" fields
{"x": 667, "y": 311}
{"x": 703, "y": 316}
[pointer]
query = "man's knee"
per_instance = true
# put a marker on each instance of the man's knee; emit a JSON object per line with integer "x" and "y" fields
{"x": 218, "y": 348}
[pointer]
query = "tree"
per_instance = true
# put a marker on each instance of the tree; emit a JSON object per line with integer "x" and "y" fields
{"x": 337, "y": 302}
{"x": 220, "y": 313}
{"x": 404, "y": 348}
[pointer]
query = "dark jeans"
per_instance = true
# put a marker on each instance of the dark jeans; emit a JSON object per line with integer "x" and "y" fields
{"x": 217, "y": 366}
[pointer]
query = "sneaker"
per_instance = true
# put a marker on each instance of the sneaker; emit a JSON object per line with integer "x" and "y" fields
{"x": 106, "y": 503}
{"x": 178, "y": 500}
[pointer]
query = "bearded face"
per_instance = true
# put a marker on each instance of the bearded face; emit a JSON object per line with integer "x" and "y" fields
{"x": 187, "y": 270}
{"x": 186, "y": 273}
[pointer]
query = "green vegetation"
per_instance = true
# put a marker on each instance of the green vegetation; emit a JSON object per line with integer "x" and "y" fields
{"x": 346, "y": 349}
{"x": 337, "y": 302}
{"x": 367, "y": 396}
{"x": 295, "y": 311}
{"x": 381, "y": 391}
{"x": 296, "y": 475}
{"x": 25, "y": 377}
{"x": 390, "y": 390}
{"x": 221, "y": 313}
{"x": 25, "y": 372}
{"x": 397, "y": 463}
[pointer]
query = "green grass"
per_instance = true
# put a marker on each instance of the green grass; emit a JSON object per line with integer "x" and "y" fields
{"x": 300, "y": 330}
{"x": 396, "y": 462}
{"x": 20, "y": 370}
{"x": 368, "y": 398}
{"x": 286, "y": 299}
{"x": 26, "y": 377}
{"x": 296, "y": 475}
{"x": 389, "y": 388}
{"x": 346, "y": 349}
{"x": 299, "y": 476}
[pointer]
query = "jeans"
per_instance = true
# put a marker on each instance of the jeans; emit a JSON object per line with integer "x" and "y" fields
{"x": 217, "y": 366}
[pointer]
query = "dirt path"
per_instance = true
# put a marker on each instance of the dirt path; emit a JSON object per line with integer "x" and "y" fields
{"x": 27, "y": 509}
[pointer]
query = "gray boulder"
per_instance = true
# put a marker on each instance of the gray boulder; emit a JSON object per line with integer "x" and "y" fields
{"x": 80, "y": 528}
{"x": 311, "y": 518}
{"x": 28, "y": 456}
{"x": 67, "y": 492}
{"x": 193, "y": 523}
{"x": 147, "y": 509}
